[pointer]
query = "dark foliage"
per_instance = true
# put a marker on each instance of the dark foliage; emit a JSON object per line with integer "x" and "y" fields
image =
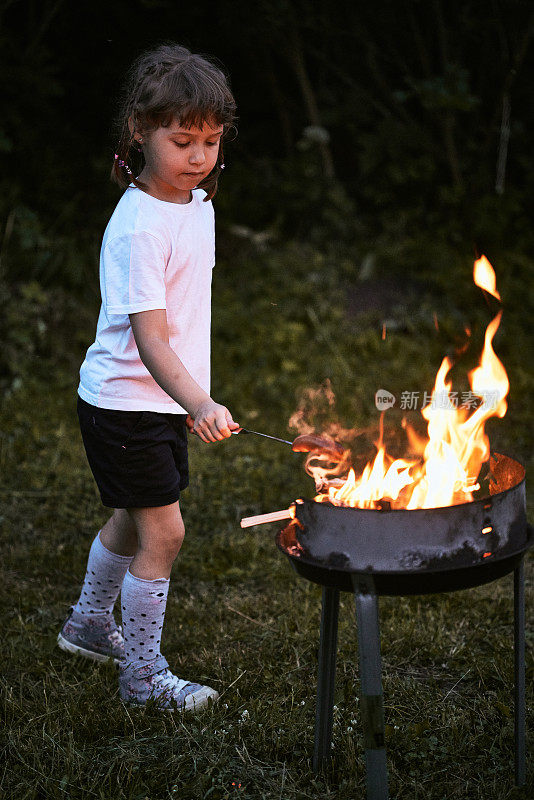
{"x": 368, "y": 125}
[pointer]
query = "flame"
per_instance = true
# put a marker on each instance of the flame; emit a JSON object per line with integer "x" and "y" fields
{"x": 484, "y": 276}
{"x": 384, "y": 478}
{"x": 448, "y": 462}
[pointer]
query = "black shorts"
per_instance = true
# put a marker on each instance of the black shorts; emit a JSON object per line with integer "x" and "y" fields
{"x": 138, "y": 458}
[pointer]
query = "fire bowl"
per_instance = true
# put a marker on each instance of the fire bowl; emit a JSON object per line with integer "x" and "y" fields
{"x": 419, "y": 551}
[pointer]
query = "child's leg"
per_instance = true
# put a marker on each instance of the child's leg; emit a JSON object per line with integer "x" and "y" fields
{"x": 144, "y": 672}
{"x": 90, "y": 629}
{"x": 119, "y": 533}
{"x": 110, "y": 555}
{"x": 160, "y": 533}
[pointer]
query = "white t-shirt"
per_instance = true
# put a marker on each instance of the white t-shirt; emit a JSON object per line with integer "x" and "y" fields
{"x": 154, "y": 255}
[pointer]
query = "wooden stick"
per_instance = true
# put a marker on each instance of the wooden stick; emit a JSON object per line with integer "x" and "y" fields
{"x": 274, "y": 516}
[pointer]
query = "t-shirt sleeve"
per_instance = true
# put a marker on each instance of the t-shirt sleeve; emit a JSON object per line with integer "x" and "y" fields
{"x": 133, "y": 274}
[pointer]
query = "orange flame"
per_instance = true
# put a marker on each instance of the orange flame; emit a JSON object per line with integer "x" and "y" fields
{"x": 456, "y": 446}
{"x": 484, "y": 276}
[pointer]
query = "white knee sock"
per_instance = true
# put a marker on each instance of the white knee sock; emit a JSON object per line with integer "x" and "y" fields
{"x": 143, "y": 606}
{"x": 103, "y": 580}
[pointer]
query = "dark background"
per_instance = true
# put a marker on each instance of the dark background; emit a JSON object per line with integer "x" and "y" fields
{"x": 409, "y": 95}
{"x": 344, "y": 253}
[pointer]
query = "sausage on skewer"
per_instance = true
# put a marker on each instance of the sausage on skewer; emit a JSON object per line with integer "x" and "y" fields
{"x": 309, "y": 442}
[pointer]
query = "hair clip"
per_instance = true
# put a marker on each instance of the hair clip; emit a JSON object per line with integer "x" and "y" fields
{"x": 123, "y": 164}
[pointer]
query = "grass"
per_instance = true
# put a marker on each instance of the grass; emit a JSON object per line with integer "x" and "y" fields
{"x": 238, "y": 617}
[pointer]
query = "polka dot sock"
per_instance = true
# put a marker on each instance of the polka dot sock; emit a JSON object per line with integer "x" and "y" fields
{"x": 143, "y": 606}
{"x": 103, "y": 580}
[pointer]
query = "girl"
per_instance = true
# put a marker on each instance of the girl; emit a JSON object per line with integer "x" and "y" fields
{"x": 145, "y": 380}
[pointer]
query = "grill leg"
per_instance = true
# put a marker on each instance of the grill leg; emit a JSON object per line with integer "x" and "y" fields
{"x": 326, "y": 681}
{"x": 519, "y": 673}
{"x": 372, "y": 707}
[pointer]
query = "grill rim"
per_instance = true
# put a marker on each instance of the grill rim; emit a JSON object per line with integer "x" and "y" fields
{"x": 422, "y": 540}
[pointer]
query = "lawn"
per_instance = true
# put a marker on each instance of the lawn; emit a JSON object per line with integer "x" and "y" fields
{"x": 238, "y": 617}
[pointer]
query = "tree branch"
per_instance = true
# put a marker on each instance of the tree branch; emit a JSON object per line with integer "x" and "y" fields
{"x": 508, "y": 83}
{"x": 503, "y": 145}
{"x": 297, "y": 60}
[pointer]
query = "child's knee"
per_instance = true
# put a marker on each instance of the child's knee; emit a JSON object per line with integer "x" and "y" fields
{"x": 176, "y": 536}
{"x": 169, "y": 539}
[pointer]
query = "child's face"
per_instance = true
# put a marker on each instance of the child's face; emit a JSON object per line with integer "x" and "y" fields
{"x": 178, "y": 159}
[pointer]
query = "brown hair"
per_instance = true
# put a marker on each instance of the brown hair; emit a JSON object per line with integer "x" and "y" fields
{"x": 169, "y": 83}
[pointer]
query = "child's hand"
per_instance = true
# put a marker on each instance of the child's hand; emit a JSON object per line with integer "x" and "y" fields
{"x": 212, "y": 422}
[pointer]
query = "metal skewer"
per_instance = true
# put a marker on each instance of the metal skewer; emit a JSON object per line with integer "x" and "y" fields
{"x": 266, "y": 435}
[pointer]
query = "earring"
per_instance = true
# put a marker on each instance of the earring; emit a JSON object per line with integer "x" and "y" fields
{"x": 222, "y": 166}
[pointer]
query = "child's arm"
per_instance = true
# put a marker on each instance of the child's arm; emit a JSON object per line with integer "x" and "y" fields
{"x": 212, "y": 421}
